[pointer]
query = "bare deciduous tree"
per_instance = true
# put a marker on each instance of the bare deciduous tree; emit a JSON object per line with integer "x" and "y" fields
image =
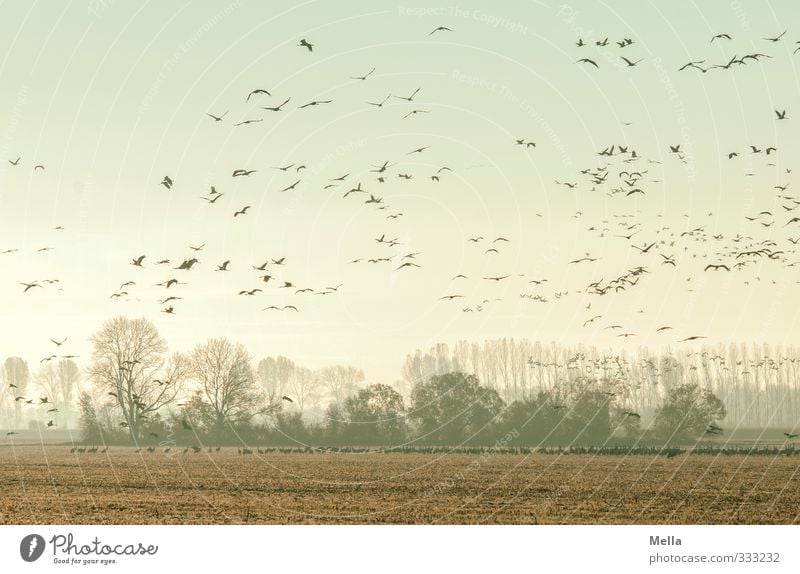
{"x": 273, "y": 375}
{"x": 341, "y": 381}
{"x": 59, "y": 382}
{"x": 226, "y": 381}
{"x": 304, "y": 386}
{"x": 68, "y": 378}
{"x": 129, "y": 362}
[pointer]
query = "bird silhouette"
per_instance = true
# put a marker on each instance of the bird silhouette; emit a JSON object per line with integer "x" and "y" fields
{"x": 277, "y": 108}
{"x": 407, "y": 264}
{"x": 364, "y": 77}
{"x": 629, "y": 63}
{"x": 292, "y": 186}
{"x": 214, "y": 198}
{"x": 409, "y": 98}
{"x": 258, "y": 91}
{"x": 777, "y": 38}
{"x": 247, "y": 122}
{"x": 217, "y": 118}
{"x": 380, "y": 104}
{"x": 186, "y": 265}
{"x": 315, "y": 103}
{"x": 415, "y": 112}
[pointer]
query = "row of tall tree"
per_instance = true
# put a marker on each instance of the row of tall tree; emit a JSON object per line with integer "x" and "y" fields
{"x": 48, "y": 393}
{"x": 136, "y": 390}
{"x": 132, "y": 377}
{"x": 449, "y": 409}
{"x": 760, "y": 384}
{"x": 215, "y": 385}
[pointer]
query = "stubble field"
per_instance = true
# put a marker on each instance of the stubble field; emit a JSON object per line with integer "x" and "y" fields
{"x": 50, "y": 485}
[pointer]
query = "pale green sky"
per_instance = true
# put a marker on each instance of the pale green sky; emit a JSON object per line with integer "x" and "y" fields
{"x": 111, "y": 96}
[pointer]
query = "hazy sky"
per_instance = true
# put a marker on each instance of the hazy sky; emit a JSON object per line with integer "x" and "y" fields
{"x": 112, "y": 96}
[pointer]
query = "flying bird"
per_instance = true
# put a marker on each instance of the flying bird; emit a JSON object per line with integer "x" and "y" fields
{"x": 315, "y": 103}
{"x": 407, "y": 264}
{"x": 256, "y": 91}
{"x": 776, "y": 38}
{"x": 693, "y": 65}
{"x": 380, "y": 104}
{"x": 277, "y": 108}
{"x": 415, "y": 112}
{"x": 364, "y": 77}
{"x": 291, "y": 186}
{"x": 409, "y": 98}
{"x": 185, "y": 266}
{"x": 631, "y": 64}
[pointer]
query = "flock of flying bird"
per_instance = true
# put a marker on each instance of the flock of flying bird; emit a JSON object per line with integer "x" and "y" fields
{"x": 618, "y": 171}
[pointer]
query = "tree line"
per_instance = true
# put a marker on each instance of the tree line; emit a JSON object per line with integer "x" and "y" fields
{"x": 759, "y": 383}
{"x": 140, "y": 393}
